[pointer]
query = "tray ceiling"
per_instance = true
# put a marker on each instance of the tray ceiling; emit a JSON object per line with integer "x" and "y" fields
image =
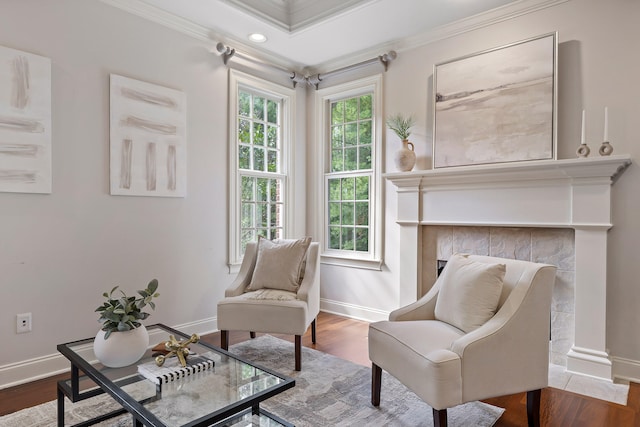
{"x": 316, "y": 34}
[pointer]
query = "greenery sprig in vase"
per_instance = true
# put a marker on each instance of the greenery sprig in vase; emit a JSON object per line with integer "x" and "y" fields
{"x": 405, "y": 158}
{"x": 119, "y": 314}
{"x": 401, "y": 125}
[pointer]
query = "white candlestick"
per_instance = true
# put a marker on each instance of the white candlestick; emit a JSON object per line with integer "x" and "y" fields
{"x": 583, "y": 127}
{"x": 606, "y": 124}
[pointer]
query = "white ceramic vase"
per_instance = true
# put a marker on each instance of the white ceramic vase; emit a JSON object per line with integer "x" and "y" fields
{"x": 121, "y": 348}
{"x": 405, "y": 158}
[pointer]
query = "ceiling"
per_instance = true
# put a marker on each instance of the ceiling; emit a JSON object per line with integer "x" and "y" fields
{"x": 311, "y": 34}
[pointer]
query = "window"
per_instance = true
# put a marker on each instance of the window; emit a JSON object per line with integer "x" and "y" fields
{"x": 349, "y": 130}
{"x": 260, "y": 151}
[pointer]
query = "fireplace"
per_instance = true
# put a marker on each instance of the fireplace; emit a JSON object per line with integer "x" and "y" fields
{"x": 572, "y": 197}
{"x": 547, "y": 245}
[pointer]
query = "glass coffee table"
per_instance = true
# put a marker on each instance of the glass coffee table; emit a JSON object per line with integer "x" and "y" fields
{"x": 228, "y": 394}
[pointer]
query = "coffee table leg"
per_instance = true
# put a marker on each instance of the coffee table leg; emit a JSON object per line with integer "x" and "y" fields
{"x": 60, "y": 408}
{"x": 136, "y": 422}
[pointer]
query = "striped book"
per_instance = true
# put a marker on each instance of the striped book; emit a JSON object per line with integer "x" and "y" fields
{"x": 172, "y": 370}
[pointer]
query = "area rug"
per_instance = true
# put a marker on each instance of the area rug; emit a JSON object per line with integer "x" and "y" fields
{"x": 329, "y": 392}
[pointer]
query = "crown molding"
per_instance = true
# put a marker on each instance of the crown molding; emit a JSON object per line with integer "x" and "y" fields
{"x": 485, "y": 19}
{"x": 294, "y": 16}
{"x": 199, "y": 32}
{"x": 481, "y": 20}
{"x": 162, "y": 17}
{"x": 461, "y": 26}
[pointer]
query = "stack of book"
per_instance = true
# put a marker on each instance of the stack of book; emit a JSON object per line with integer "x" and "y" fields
{"x": 172, "y": 370}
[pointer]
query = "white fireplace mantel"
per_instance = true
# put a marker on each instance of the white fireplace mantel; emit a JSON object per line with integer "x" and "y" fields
{"x": 574, "y": 193}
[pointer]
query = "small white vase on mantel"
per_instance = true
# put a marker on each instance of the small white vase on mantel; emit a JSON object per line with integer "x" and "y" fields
{"x": 121, "y": 348}
{"x": 405, "y": 158}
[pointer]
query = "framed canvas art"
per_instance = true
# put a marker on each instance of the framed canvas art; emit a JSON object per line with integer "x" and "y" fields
{"x": 25, "y": 122}
{"x": 148, "y": 139}
{"x": 497, "y": 106}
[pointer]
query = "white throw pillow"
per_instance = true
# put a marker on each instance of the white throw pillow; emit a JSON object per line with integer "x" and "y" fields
{"x": 469, "y": 292}
{"x": 279, "y": 264}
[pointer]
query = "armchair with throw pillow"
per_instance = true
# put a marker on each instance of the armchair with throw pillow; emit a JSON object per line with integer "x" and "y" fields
{"x": 276, "y": 291}
{"x": 481, "y": 331}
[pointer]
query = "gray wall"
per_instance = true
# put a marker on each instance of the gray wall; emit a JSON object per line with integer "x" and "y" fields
{"x": 59, "y": 252}
{"x": 598, "y": 66}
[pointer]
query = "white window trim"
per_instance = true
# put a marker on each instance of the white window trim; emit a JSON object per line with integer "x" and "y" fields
{"x": 238, "y": 79}
{"x": 323, "y": 97}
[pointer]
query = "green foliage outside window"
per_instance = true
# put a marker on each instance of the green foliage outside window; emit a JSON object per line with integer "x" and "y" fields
{"x": 351, "y": 139}
{"x": 351, "y": 134}
{"x": 261, "y": 209}
{"x": 262, "y": 202}
{"x": 349, "y": 213}
{"x": 258, "y": 133}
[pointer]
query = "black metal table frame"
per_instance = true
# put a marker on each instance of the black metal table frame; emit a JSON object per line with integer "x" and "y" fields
{"x": 71, "y": 389}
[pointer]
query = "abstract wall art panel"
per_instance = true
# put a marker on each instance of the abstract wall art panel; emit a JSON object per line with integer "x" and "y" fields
{"x": 148, "y": 139}
{"x": 25, "y": 122}
{"x": 497, "y": 106}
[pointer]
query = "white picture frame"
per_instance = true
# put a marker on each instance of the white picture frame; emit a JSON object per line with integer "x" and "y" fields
{"x": 497, "y": 106}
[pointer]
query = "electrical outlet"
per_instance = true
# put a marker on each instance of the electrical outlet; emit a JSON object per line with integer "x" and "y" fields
{"x": 23, "y": 323}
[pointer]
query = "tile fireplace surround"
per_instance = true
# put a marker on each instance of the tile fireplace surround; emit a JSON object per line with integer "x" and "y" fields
{"x": 564, "y": 194}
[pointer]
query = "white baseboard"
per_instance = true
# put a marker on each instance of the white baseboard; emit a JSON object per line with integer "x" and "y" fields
{"x": 353, "y": 311}
{"x": 626, "y": 369}
{"x": 37, "y": 368}
{"x": 590, "y": 362}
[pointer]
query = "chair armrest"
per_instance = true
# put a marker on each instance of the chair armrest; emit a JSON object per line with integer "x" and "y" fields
{"x": 423, "y": 309}
{"x": 245, "y": 274}
{"x": 309, "y": 290}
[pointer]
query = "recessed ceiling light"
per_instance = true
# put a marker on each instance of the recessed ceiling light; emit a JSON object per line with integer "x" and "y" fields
{"x": 257, "y": 38}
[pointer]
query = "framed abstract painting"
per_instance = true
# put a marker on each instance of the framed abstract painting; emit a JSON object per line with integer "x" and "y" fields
{"x": 25, "y": 122}
{"x": 148, "y": 139}
{"x": 497, "y": 106}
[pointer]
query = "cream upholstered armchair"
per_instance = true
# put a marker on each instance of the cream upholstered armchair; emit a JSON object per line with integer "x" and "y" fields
{"x": 276, "y": 291}
{"x": 450, "y": 348}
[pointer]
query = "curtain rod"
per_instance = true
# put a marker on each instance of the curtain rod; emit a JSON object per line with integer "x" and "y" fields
{"x": 296, "y": 77}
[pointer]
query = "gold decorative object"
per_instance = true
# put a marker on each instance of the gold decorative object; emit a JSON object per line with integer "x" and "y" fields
{"x": 173, "y": 347}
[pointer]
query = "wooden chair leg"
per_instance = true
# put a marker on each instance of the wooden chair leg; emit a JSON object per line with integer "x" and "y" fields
{"x": 313, "y": 331}
{"x": 298, "y": 352}
{"x": 439, "y": 418}
{"x": 376, "y": 384}
{"x": 533, "y": 407}
{"x": 224, "y": 340}
{"x": 252, "y": 334}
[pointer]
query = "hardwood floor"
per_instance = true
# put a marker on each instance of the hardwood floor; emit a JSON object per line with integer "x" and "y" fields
{"x": 347, "y": 339}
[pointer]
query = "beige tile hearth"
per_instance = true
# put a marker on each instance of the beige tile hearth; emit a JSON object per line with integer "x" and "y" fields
{"x": 587, "y": 386}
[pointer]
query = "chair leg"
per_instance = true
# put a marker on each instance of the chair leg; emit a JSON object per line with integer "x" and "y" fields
{"x": 224, "y": 340}
{"x": 252, "y": 334}
{"x": 298, "y": 352}
{"x": 533, "y": 407}
{"x": 376, "y": 384}
{"x": 439, "y": 418}
{"x": 313, "y": 331}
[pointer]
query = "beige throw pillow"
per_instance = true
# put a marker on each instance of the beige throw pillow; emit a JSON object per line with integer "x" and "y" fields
{"x": 469, "y": 292}
{"x": 279, "y": 264}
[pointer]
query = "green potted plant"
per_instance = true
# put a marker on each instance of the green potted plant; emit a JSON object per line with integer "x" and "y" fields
{"x": 401, "y": 125}
{"x": 122, "y": 338}
{"x": 405, "y": 158}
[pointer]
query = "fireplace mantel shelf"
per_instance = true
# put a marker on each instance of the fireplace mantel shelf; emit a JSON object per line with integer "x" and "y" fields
{"x": 608, "y": 168}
